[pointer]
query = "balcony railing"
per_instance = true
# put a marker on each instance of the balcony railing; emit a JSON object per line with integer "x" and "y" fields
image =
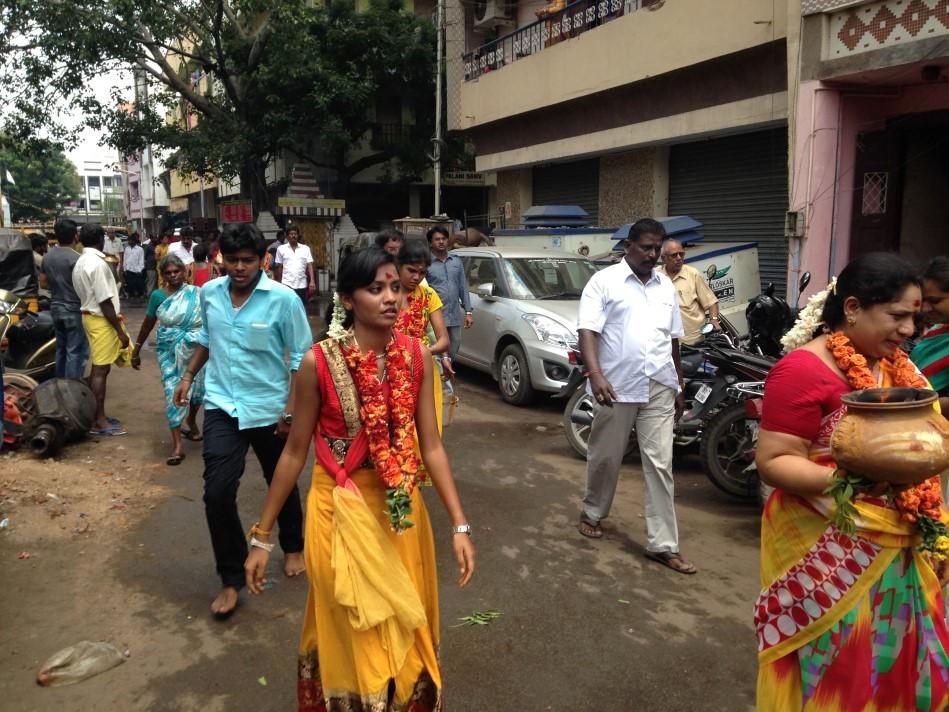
{"x": 573, "y": 20}
{"x": 387, "y": 135}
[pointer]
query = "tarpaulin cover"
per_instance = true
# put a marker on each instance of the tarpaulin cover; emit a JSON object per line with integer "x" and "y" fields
{"x": 17, "y": 273}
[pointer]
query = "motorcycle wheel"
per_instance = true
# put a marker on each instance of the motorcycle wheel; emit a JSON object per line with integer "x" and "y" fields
{"x": 727, "y": 451}
{"x": 577, "y": 434}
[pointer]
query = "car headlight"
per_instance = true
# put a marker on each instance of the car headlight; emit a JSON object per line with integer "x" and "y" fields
{"x": 551, "y": 331}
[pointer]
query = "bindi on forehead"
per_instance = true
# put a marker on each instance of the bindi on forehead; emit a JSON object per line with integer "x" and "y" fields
{"x": 388, "y": 275}
{"x": 917, "y": 303}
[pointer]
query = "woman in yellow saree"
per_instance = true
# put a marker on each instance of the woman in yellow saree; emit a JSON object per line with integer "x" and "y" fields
{"x": 845, "y": 623}
{"x": 420, "y": 315}
{"x": 371, "y": 630}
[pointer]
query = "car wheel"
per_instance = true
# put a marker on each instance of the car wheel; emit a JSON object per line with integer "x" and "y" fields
{"x": 514, "y": 378}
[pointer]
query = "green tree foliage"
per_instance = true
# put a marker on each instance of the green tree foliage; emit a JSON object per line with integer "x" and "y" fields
{"x": 257, "y": 77}
{"x": 45, "y": 180}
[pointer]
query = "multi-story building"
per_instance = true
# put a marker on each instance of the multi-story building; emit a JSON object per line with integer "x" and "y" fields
{"x": 869, "y": 121}
{"x": 102, "y": 197}
{"x": 631, "y": 108}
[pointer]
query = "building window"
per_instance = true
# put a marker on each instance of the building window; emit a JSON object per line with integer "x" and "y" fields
{"x": 133, "y": 190}
{"x": 117, "y": 181}
{"x": 874, "y": 192}
{"x": 106, "y": 181}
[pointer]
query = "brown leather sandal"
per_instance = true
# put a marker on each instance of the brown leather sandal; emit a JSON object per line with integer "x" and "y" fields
{"x": 674, "y": 560}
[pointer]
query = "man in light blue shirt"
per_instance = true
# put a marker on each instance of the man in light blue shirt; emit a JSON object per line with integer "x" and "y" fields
{"x": 254, "y": 335}
{"x": 446, "y": 275}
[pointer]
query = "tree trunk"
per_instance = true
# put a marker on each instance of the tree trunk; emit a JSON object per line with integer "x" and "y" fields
{"x": 254, "y": 185}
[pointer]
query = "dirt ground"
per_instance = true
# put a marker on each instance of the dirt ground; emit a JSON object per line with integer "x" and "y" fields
{"x": 106, "y": 542}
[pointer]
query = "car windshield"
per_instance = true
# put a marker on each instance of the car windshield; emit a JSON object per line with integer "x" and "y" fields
{"x": 547, "y": 277}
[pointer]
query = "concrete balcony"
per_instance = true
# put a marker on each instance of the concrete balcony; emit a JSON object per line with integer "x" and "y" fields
{"x": 621, "y": 42}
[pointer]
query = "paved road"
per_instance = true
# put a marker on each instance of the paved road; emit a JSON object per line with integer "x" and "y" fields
{"x": 586, "y": 626}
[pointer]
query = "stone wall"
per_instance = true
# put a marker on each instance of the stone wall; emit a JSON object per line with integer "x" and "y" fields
{"x": 633, "y": 185}
{"x": 515, "y": 186}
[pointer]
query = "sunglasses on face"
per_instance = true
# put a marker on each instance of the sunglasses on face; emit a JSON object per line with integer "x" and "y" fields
{"x": 675, "y": 254}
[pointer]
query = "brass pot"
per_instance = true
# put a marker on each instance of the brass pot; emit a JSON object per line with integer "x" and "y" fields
{"x": 891, "y": 435}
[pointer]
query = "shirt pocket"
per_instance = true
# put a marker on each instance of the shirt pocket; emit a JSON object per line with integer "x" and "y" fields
{"x": 257, "y": 337}
{"x": 662, "y": 314}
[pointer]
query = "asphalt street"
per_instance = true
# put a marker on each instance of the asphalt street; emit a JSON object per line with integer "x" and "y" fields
{"x": 586, "y": 625}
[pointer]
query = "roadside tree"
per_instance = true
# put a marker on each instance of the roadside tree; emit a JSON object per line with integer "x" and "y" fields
{"x": 45, "y": 181}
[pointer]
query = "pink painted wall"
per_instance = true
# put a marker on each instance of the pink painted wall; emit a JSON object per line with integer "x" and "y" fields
{"x": 824, "y": 190}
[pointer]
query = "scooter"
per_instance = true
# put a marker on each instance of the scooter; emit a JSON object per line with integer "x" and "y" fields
{"x": 770, "y": 317}
{"x": 27, "y": 339}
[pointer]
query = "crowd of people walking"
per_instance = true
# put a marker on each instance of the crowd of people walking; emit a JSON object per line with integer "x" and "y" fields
{"x": 233, "y": 337}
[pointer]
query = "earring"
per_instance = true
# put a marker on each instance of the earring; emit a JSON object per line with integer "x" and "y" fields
{"x": 851, "y": 319}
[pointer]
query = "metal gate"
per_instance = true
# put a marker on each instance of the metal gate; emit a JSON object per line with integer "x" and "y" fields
{"x": 575, "y": 183}
{"x": 737, "y": 186}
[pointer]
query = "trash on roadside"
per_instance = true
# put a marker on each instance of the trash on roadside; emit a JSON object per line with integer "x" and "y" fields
{"x": 262, "y": 681}
{"x": 78, "y": 662}
{"x": 480, "y": 617}
{"x": 24, "y": 555}
{"x": 4, "y": 523}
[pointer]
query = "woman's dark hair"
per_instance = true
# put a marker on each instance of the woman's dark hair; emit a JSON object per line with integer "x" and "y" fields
{"x": 938, "y": 272}
{"x": 242, "y": 236}
{"x": 359, "y": 270}
{"x": 874, "y": 278}
{"x": 200, "y": 252}
{"x": 383, "y": 237}
{"x": 415, "y": 251}
{"x": 437, "y": 229}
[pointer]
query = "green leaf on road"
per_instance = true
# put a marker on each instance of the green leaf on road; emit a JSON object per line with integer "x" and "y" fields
{"x": 262, "y": 681}
{"x": 480, "y": 617}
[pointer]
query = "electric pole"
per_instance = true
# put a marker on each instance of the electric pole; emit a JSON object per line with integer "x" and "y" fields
{"x": 437, "y": 149}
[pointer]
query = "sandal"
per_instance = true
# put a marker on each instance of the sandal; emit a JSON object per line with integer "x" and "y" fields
{"x": 191, "y": 435}
{"x": 591, "y": 531}
{"x": 672, "y": 559}
{"x": 175, "y": 460}
{"x": 111, "y": 431}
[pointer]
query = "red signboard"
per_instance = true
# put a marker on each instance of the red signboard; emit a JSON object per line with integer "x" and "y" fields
{"x": 237, "y": 211}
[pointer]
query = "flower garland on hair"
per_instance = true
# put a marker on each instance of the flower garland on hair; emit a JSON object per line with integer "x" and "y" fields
{"x": 922, "y": 504}
{"x": 336, "y": 329}
{"x": 389, "y": 423}
{"x": 809, "y": 319}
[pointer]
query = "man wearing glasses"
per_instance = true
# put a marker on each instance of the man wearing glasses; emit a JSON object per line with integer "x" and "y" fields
{"x": 695, "y": 296}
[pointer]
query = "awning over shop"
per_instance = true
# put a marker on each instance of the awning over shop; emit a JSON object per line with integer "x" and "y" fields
{"x": 303, "y": 198}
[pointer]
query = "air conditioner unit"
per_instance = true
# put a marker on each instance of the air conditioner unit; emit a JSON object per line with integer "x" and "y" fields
{"x": 489, "y": 14}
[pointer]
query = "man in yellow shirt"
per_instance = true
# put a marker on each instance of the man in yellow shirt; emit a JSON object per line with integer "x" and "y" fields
{"x": 695, "y": 296}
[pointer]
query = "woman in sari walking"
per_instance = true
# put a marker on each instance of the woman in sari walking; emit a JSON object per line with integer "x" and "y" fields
{"x": 177, "y": 311}
{"x": 371, "y": 629}
{"x": 420, "y": 314}
{"x": 850, "y": 616}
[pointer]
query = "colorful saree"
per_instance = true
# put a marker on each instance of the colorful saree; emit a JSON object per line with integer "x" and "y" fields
{"x": 371, "y": 629}
{"x": 179, "y": 322}
{"x": 931, "y": 355}
{"x": 844, "y": 624}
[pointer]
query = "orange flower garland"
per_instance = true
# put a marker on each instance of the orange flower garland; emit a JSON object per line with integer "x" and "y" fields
{"x": 923, "y": 503}
{"x": 410, "y": 321}
{"x": 390, "y": 424}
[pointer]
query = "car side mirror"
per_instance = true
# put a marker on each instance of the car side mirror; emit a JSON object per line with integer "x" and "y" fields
{"x": 486, "y": 291}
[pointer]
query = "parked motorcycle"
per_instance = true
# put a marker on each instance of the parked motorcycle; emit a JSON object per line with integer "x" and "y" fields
{"x": 770, "y": 318}
{"x": 27, "y": 339}
{"x": 699, "y": 374}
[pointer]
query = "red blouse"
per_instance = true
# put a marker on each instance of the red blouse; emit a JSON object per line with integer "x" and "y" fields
{"x": 801, "y": 391}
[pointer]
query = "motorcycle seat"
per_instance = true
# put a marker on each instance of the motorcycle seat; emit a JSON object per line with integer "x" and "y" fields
{"x": 764, "y": 363}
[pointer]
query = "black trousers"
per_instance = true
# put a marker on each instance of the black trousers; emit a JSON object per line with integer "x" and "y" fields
{"x": 225, "y": 450}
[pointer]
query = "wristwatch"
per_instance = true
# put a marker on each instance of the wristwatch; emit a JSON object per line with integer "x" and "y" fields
{"x": 287, "y": 418}
{"x": 462, "y": 529}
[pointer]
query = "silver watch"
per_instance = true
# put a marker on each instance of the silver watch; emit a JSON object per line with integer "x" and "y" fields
{"x": 462, "y": 529}
{"x": 287, "y": 418}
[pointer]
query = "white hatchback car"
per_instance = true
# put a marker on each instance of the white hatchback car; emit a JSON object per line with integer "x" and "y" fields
{"x": 525, "y": 305}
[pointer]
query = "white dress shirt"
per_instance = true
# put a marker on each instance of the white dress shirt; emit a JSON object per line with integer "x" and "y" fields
{"x": 294, "y": 264}
{"x": 134, "y": 259}
{"x": 94, "y": 283}
{"x": 112, "y": 246}
{"x": 636, "y": 323}
{"x": 179, "y": 251}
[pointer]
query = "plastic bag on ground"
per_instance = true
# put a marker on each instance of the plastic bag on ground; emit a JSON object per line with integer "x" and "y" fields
{"x": 79, "y": 662}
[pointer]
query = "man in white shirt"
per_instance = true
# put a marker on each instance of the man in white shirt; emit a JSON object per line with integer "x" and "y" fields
{"x": 629, "y": 329}
{"x": 183, "y": 250}
{"x": 133, "y": 266}
{"x": 99, "y": 302}
{"x": 294, "y": 265}
{"x": 112, "y": 248}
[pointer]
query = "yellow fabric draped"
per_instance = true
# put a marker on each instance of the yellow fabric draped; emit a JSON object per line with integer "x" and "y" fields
{"x": 104, "y": 345}
{"x": 373, "y": 600}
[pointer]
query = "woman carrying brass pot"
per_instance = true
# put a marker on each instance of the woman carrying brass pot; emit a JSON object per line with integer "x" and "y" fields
{"x": 850, "y": 616}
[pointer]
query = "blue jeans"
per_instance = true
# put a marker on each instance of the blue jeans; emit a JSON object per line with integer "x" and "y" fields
{"x": 454, "y": 340}
{"x": 72, "y": 349}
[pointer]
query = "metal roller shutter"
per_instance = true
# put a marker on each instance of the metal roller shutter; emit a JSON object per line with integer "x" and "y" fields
{"x": 737, "y": 187}
{"x": 575, "y": 183}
